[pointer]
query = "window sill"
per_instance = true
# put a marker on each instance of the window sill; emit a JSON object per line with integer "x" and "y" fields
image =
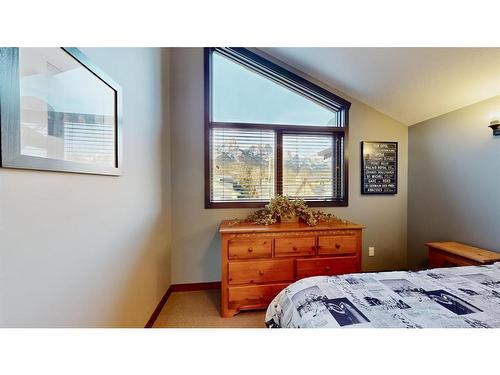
{"x": 262, "y": 204}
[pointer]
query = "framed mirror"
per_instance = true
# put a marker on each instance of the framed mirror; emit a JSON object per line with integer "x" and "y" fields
{"x": 58, "y": 112}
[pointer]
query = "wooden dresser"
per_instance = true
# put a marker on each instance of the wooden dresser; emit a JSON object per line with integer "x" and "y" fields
{"x": 258, "y": 261}
{"x": 452, "y": 254}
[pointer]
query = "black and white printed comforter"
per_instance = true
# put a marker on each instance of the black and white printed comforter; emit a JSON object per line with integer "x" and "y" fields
{"x": 445, "y": 297}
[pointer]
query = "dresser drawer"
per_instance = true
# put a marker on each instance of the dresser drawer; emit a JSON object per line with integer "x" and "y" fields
{"x": 246, "y": 249}
{"x": 299, "y": 246}
{"x": 264, "y": 271}
{"x": 326, "y": 266}
{"x": 254, "y": 296}
{"x": 337, "y": 245}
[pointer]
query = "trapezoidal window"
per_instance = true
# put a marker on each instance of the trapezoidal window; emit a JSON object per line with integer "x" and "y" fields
{"x": 268, "y": 132}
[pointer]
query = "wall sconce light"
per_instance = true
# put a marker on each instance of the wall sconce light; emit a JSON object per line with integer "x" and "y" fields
{"x": 495, "y": 125}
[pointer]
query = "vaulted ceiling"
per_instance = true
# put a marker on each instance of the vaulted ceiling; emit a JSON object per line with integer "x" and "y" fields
{"x": 409, "y": 84}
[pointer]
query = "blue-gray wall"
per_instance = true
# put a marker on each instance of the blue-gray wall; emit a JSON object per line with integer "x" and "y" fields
{"x": 454, "y": 181}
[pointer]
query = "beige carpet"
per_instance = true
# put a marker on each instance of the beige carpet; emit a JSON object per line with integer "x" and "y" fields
{"x": 201, "y": 310}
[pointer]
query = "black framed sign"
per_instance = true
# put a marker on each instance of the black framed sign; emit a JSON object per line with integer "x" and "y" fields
{"x": 379, "y": 167}
{"x": 58, "y": 112}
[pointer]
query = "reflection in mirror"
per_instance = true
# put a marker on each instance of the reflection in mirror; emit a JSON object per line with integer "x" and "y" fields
{"x": 67, "y": 113}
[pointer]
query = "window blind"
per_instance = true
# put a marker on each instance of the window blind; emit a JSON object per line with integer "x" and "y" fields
{"x": 243, "y": 164}
{"x": 78, "y": 137}
{"x": 313, "y": 166}
{"x": 89, "y": 139}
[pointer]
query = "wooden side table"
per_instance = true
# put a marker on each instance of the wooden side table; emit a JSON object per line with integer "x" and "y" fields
{"x": 452, "y": 254}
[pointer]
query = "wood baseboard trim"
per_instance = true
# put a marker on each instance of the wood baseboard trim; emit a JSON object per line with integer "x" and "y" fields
{"x": 195, "y": 286}
{"x": 192, "y": 287}
{"x": 158, "y": 309}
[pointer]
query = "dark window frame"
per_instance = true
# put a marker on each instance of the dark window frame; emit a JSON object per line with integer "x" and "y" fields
{"x": 286, "y": 77}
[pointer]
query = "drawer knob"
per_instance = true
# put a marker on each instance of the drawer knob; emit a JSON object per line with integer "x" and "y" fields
{"x": 294, "y": 248}
{"x": 261, "y": 273}
{"x": 327, "y": 268}
{"x": 337, "y": 246}
{"x": 250, "y": 249}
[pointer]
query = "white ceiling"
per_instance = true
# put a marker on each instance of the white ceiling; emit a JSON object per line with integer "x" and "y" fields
{"x": 408, "y": 84}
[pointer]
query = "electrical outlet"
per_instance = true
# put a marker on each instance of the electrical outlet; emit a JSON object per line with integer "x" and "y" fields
{"x": 371, "y": 251}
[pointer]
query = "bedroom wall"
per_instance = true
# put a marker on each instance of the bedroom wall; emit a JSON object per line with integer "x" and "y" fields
{"x": 454, "y": 180}
{"x": 94, "y": 251}
{"x": 195, "y": 242}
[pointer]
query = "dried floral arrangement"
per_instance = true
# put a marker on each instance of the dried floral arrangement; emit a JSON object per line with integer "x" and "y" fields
{"x": 284, "y": 208}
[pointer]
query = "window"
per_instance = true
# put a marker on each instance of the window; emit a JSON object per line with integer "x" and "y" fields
{"x": 243, "y": 165}
{"x": 309, "y": 170}
{"x": 269, "y": 131}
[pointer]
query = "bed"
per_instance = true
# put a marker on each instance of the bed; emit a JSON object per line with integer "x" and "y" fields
{"x": 457, "y": 297}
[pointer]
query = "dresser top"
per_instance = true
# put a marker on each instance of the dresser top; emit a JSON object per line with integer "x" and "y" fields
{"x": 230, "y": 226}
{"x": 466, "y": 251}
